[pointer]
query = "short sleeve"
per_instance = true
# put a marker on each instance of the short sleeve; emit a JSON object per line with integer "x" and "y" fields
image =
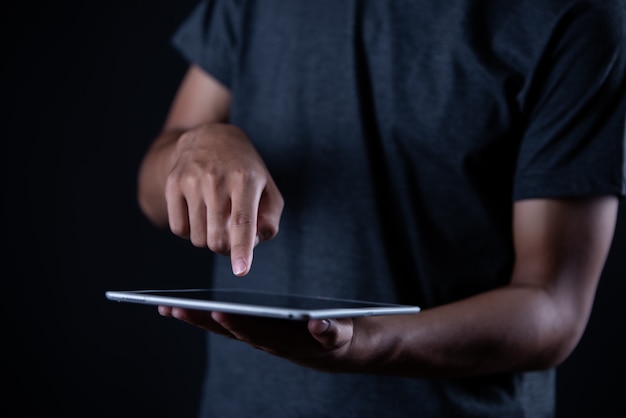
{"x": 574, "y": 143}
{"x": 207, "y": 38}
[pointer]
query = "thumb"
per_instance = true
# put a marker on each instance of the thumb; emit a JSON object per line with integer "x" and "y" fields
{"x": 331, "y": 333}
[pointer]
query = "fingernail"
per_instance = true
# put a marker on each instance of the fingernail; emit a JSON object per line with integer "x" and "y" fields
{"x": 322, "y": 326}
{"x": 325, "y": 325}
{"x": 239, "y": 266}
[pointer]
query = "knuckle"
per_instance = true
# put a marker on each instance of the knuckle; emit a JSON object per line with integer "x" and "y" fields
{"x": 185, "y": 137}
{"x": 267, "y": 233}
{"x": 190, "y": 182}
{"x": 268, "y": 228}
{"x": 247, "y": 177}
{"x": 239, "y": 248}
{"x": 218, "y": 243}
{"x": 179, "y": 182}
{"x": 242, "y": 221}
{"x": 180, "y": 229}
{"x": 197, "y": 241}
{"x": 198, "y": 237}
{"x": 244, "y": 174}
{"x": 280, "y": 202}
{"x": 212, "y": 177}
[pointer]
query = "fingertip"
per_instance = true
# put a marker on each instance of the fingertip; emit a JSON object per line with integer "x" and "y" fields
{"x": 220, "y": 317}
{"x": 165, "y": 310}
{"x": 319, "y": 326}
{"x": 240, "y": 267}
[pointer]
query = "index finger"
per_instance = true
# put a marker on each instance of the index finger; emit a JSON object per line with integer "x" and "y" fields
{"x": 243, "y": 228}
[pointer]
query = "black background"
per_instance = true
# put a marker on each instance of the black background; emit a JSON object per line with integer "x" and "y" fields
{"x": 85, "y": 88}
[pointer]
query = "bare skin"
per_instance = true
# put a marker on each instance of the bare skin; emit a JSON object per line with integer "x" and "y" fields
{"x": 205, "y": 180}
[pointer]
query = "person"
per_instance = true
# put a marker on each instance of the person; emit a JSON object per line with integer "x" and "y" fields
{"x": 463, "y": 156}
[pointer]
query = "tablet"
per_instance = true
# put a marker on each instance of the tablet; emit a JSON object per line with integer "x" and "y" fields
{"x": 260, "y": 303}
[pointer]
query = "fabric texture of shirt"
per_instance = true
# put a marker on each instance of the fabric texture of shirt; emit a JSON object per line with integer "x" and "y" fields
{"x": 400, "y": 133}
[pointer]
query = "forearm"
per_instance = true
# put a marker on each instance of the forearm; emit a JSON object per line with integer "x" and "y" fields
{"x": 508, "y": 329}
{"x": 535, "y": 322}
{"x": 152, "y": 176}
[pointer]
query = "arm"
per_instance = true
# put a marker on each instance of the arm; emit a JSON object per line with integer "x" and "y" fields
{"x": 203, "y": 177}
{"x": 532, "y": 323}
{"x": 535, "y": 321}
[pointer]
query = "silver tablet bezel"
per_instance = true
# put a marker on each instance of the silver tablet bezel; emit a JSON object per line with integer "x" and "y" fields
{"x": 173, "y": 299}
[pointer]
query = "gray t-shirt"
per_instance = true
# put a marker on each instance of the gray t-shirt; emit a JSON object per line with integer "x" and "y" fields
{"x": 400, "y": 133}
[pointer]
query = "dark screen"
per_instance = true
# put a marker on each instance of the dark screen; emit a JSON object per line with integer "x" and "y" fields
{"x": 249, "y": 297}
